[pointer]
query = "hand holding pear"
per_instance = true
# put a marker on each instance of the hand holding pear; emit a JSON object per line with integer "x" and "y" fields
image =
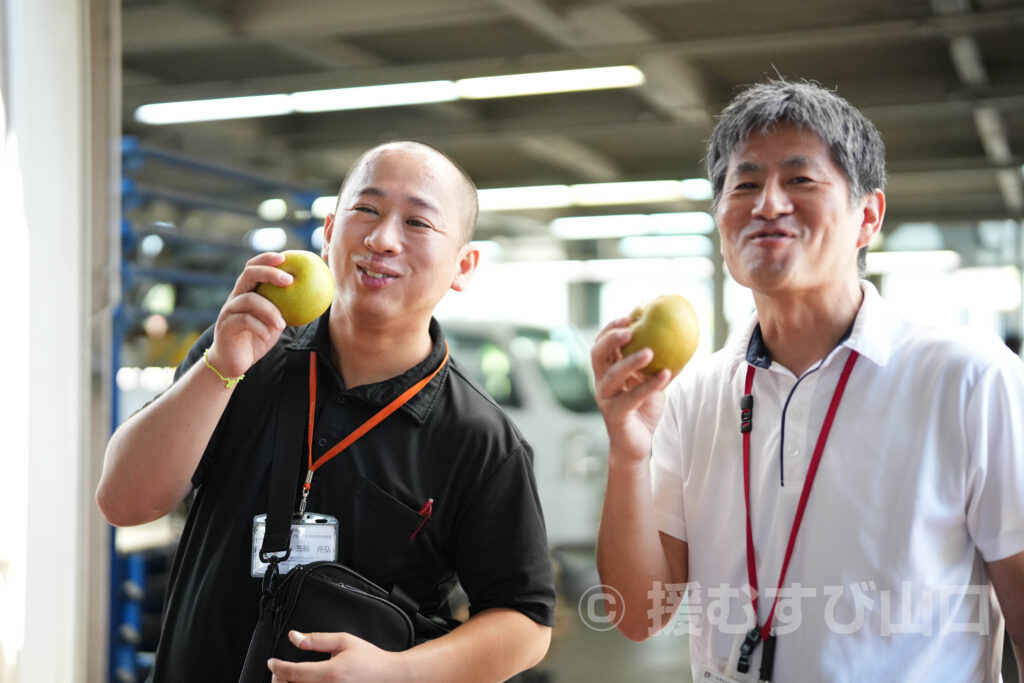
{"x": 668, "y": 326}
{"x": 310, "y": 293}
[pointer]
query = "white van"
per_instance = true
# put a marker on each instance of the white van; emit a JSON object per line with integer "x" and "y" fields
{"x": 541, "y": 377}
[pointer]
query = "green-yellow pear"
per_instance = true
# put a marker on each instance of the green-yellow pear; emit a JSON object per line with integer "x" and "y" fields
{"x": 309, "y": 295}
{"x": 668, "y": 326}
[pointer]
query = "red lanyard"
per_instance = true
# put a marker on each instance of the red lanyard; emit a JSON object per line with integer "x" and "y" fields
{"x": 360, "y": 430}
{"x": 757, "y": 634}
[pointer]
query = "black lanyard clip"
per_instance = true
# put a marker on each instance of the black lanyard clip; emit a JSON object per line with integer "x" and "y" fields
{"x": 746, "y": 413}
{"x": 750, "y": 644}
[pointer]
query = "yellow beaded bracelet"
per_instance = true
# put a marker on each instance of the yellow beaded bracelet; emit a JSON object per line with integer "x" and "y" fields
{"x": 229, "y": 382}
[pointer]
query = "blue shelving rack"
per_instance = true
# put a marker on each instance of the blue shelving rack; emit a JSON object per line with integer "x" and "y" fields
{"x": 138, "y": 579}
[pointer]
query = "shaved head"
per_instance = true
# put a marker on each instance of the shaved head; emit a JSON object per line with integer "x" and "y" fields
{"x": 468, "y": 206}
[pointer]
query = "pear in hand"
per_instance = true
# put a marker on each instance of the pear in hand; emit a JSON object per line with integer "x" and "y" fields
{"x": 668, "y": 326}
{"x": 311, "y": 292}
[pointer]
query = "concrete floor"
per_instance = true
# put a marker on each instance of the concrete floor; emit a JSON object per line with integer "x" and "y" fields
{"x": 588, "y": 650}
{"x": 580, "y": 655}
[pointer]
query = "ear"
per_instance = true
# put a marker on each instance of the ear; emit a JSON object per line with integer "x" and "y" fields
{"x": 873, "y": 212}
{"x": 328, "y": 231}
{"x": 469, "y": 258}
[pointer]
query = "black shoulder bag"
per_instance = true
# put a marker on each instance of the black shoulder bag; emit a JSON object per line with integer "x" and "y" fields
{"x": 320, "y": 596}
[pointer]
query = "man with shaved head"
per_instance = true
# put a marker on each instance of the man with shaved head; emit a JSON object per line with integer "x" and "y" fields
{"x": 440, "y": 494}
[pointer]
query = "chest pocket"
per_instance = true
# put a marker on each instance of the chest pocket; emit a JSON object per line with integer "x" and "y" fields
{"x": 375, "y": 532}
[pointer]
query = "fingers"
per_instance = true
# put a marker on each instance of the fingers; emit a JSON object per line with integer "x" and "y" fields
{"x": 321, "y": 642}
{"x": 258, "y": 315}
{"x": 296, "y": 672}
{"x": 619, "y": 383}
{"x": 614, "y": 373}
{"x": 249, "y": 324}
{"x": 607, "y": 347}
{"x": 251, "y": 312}
{"x": 262, "y": 268}
{"x": 310, "y": 672}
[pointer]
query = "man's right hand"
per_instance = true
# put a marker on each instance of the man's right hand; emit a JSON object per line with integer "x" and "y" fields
{"x": 248, "y": 324}
{"x": 630, "y": 401}
{"x": 632, "y": 555}
{"x": 152, "y": 456}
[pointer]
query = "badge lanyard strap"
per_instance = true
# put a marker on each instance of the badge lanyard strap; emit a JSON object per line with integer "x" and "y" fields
{"x": 360, "y": 430}
{"x": 757, "y": 634}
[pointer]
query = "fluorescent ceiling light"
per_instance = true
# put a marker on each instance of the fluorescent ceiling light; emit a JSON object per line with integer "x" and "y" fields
{"x": 534, "y": 197}
{"x": 608, "y": 270}
{"x": 373, "y": 96}
{"x": 697, "y": 189}
{"x": 214, "y": 110}
{"x": 626, "y": 225}
{"x": 602, "y": 194}
{"x": 587, "y": 194}
{"x": 681, "y": 223}
{"x": 665, "y": 246}
{"x": 274, "y": 209}
{"x": 599, "y": 227}
{"x": 268, "y": 239}
{"x": 390, "y": 95}
{"x": 545, "y": 82}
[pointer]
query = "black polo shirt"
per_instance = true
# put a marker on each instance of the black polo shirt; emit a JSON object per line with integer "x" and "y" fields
{"x": 449, "y": 443}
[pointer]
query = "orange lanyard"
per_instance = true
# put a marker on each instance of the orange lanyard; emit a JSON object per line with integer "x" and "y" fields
{"x": 360, "y": 430}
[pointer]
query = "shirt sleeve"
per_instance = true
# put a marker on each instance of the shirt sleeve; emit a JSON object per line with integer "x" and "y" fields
{"x": 995, "y": 479}
{"x": 667, "y": 470}
{"x": 502, "y": 557}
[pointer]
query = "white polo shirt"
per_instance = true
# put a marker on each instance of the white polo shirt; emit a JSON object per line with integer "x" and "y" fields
{"x": 920, "y": 483}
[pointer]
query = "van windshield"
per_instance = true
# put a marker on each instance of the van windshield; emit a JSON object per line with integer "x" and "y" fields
{"x": 563, "y": 364}
{"x": 558, "y": 355}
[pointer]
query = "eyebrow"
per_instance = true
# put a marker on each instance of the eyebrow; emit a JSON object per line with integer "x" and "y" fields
{"x": 795, "y": 161}
{"x": 412, "y": 199}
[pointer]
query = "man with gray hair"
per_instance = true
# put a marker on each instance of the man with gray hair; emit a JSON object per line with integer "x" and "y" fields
{"x": 837, "y": 490}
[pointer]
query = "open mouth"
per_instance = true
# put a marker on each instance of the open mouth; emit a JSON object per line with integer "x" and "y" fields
{"x": 375, "y": 274}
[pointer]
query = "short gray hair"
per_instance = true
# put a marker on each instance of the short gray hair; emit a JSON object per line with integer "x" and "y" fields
{"x": 854, "y": 141}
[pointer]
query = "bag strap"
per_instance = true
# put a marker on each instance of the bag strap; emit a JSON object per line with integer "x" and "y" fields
{"x": 284, "y": 469}
{"x": 284, "y": 482}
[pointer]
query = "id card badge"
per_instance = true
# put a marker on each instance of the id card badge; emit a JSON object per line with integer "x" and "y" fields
{"x": 711, "y": 677}
{"x": 314, "y": 539}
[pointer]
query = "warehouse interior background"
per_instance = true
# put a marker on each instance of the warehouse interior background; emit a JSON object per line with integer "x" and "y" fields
{"x": 125, "y": 230}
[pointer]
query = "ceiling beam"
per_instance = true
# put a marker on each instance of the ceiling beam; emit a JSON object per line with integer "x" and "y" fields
{"x": 184, "y": 25}
{"x": 870, "y": 33}
{"x": 988, "y": 121}
{"x": 567, "y": 154}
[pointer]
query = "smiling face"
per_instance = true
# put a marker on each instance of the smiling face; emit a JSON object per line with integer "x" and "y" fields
{"x": 786, "y": 220}
{"x": 398, "y": 240}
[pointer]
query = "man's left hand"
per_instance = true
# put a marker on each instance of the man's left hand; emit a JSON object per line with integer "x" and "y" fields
{"x": 352, "y": 660}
